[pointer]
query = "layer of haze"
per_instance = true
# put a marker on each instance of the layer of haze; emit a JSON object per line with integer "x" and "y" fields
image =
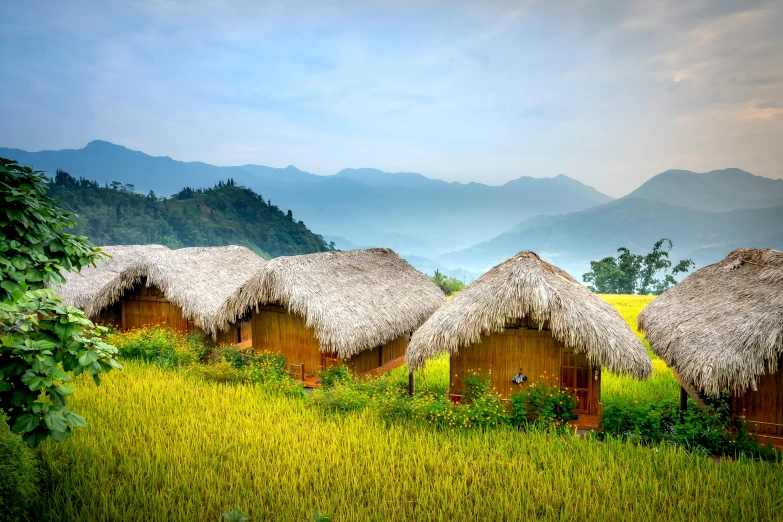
{"x": 609, "y": 93}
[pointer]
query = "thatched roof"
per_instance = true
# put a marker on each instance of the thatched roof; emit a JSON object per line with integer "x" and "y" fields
{"x": 525, "y": 287}
{"x": 353, "y": 300}
{"x": 722, "y": 327}
{"x": 94, "y": 288}
{"x": 200, "y": 280}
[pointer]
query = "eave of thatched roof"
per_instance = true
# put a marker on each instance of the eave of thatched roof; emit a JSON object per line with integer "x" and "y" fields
{"x": 525, "y": 287}
{"x": 200, "y": 280}
{"x": 94, "y": 288}
{"x": 722, "y": 327}
{"x": 353, "y": 300}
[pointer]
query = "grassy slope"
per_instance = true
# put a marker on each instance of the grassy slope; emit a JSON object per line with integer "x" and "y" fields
{"x": 164, "y": 446}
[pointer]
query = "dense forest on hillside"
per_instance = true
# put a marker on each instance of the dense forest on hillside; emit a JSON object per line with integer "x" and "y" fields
{"x": 226, "y": 214}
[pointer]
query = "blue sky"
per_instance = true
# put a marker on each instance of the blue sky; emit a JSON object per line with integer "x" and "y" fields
{"x": 609, "y": 93}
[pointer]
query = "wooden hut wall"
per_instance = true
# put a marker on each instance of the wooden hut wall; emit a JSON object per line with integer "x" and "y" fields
{"x": 111, "y": 316}
{"x": 538, "y": 355}
{"x": 145, "y": 305}
{"x": 365, "y": 361}
{"x": 275, "y": 330}
{"x": 370, "y": 360}
{"x": 762, "y": 409}
{"x": 238, "y": 333}
{"x": 394, "y": 350}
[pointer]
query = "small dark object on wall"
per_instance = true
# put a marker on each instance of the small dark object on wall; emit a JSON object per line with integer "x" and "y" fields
{"x": 519, "y": 378}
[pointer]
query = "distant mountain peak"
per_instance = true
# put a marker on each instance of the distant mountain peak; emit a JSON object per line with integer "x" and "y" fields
{"x": 95, "y": 144}
{"x": 716, "y": 190}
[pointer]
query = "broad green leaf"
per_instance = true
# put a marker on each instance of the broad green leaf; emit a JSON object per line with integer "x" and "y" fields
{"x": 58, "y": 398}
{"x": 74, "y": 419}
{"x": 60, "y": 375}
{"x": 55, "y": 421}
{"x": 87, "y": 357}
{"x": 34, "y": 383}
{"x": 60, "y": 436}
{"x": 25, "y": 423}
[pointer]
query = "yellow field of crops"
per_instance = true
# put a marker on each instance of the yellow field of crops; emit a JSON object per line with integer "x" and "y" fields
{"x": 661, "y": 385}
{"x": 166, "y": 445}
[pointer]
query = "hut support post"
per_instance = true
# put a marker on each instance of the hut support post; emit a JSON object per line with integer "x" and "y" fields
{"x": 690, "y": 391}
{"x": 683, "y": 399}
{"x": 411, "y": 384}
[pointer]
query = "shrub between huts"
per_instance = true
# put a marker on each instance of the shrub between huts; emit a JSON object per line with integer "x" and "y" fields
{"x": 18, "y": 475}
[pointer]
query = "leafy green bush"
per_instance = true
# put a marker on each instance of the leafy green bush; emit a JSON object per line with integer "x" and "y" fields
{"x": 341, "y": 397}
{"x": 711, "y": 432}
{"x": 162, "y": 346}
{"x": 542, "y": 405}
{"x": 18, "y": 476}
{"x": 43, "y": 343}
{"x": 338, "y": 374}
{"x": 231, "y": 364}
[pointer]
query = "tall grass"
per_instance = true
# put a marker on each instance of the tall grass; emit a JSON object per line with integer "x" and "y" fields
{"x": 181, "y": 445}
{"x": 167, "y": 445}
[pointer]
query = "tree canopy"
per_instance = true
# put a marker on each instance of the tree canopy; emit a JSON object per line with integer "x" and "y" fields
{"x": 224, "y": 214}
{"x": 635, "y": 273}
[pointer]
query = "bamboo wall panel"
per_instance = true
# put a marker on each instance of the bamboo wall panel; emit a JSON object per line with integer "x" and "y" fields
{"x": 365, "y": 361}
{"x": 275, "y": 330}
{"x": 763, "y": 409}
{"x": 144, "y": 306}
{"x": 503, "y": 354}
{"x": 228, "y": 336}
{"x": 535, "y": 352}
{"x": 394, "y": 349}
{"x": 246, "y": 332}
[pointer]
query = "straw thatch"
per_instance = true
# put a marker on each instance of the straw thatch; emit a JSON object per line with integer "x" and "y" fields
{"x": 722, "y": 327}
{"x": 94, "y": 288}
{"x": 353, "y": 300}
{"x": 200, "y": 280}
{"x": 525, "y": 287}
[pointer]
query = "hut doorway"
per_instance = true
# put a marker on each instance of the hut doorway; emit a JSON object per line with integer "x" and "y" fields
{"x": 576, "y": 376}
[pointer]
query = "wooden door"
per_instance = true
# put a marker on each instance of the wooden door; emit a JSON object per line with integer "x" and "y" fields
{"x": 576, "y": 377}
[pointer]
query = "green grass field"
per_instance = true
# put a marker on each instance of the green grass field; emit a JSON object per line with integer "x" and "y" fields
{"x": 166, "y": 445}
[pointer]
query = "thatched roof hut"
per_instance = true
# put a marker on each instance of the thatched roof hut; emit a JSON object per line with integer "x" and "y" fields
{"x": 354, "y": 300}
{"x": 94, "y": 288}
{"x": 526, "y": 287}
{"x": 199, "y": 280}
{"x": 722, "y": 327}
